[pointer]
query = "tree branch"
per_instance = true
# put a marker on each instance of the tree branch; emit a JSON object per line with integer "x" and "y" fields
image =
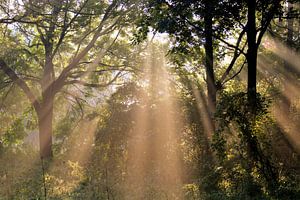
{"x": 269, "y": 17}
{"x": 66, "y": 26}
{"x": 237, "y": 73}
{"x": 64, "y": 74}
{"x": 21, "y": 83}
{"x": 231, "y": 45}
{"x": 237, "y": 53}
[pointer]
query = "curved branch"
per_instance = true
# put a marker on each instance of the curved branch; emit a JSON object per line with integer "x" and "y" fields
{"x": 265, "y": 25}
{"x": 237, "y": 73}
{"x": 21, "y": 83}
{"x": 237, "y": 53}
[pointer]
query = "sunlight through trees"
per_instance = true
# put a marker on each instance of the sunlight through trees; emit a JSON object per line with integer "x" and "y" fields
{"x": 149, "y": 99}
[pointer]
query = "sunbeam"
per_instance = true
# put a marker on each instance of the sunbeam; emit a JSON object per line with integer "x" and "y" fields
{"x": 288, "y": 96}
{"x": 285, "y": 53}
{"x": 153, "y": 148}
{"x": 203, "y": 111}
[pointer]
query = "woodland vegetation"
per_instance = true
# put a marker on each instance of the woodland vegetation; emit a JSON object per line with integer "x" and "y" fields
{"x": 150, "y": 99}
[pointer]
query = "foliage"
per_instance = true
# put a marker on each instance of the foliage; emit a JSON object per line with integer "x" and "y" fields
{"x": 123, "y": 111}
{"x": 247, "y": 153}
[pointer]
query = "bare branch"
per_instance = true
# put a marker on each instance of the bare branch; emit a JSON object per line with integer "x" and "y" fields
{"x": 237, "y": 53}
{"x": 237, "y": 73}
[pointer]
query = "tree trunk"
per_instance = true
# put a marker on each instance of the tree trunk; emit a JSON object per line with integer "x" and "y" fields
{"x": 254, "y": 150}
{"x": 251, "y": 53}
{"x": 209, "y": 66}
{"x": 46, "y": 111}
{"x": 45, "y": 117}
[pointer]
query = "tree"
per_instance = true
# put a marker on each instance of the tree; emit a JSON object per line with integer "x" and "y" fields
{"x": 191, "y": 25}
{"x": 267, "y": 10}
{"x": 260, "y": 13}
{"x": 58, "y": 44}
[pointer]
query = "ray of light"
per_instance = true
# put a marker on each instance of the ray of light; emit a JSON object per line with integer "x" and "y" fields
{"x": 291, "y": 130}
{"x": 83, "y": 141}
{"x": 290, "y": 85}
{"x": 284, "y": 52}
{"x": 169, "y": 122}
{"x": 289, "y": 95}
{"x": 137, "y": 149}
{"x": 77, "y": 151}
{"x": 154, "y": 147}
{"x": 140, "y": 144}
{"x": 203, "y": 111}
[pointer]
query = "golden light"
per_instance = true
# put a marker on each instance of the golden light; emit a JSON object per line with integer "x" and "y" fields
{"x": 153, "y": 159}
{"x": 283, "y": 76}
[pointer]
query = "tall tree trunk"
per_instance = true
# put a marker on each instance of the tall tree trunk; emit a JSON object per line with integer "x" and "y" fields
{"x": 209, "y": 65}
{"x": 45, "y": 118}
{"x": 254, "y": 150}
{"x": 46, "y": 111}
{"x": 251, "y": 53}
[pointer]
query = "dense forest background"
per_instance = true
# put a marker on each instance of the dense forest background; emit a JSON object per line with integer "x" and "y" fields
{"x": 149, "y": 99}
